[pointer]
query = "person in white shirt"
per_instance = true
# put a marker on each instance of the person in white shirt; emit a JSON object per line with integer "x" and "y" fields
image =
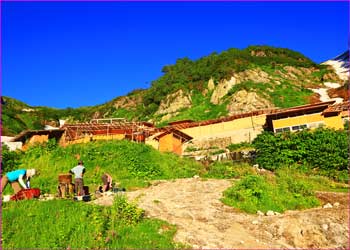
{"x": 78, "y": 172}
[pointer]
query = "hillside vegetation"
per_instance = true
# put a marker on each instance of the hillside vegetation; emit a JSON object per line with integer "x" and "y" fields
{"x": 286, "y": 77}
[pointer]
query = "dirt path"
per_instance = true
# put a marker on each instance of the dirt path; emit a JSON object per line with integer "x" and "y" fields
{"x": 202, "y": 221}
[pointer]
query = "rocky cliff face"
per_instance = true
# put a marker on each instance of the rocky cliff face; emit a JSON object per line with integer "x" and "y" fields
{"x": 173, "y": 103}
{"x": 244, "y": 101}
{"x": 127, "y": 101}
{"x": 224, "y": 86}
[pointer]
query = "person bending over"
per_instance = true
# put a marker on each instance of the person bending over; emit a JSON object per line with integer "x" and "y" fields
{"x": 18, "y": 179}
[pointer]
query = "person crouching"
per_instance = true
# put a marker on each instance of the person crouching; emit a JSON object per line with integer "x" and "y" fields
{"x": 18, "y": 179}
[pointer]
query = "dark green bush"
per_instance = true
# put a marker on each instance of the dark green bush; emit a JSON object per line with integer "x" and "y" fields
{"x": 322, "y": 149}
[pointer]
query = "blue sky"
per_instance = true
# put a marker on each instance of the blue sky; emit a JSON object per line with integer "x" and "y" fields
{"x": 73, "y": 54}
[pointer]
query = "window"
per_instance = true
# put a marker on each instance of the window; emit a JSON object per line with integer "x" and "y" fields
{"x": 295, "y": 127}
{"x": 299, "y": 127}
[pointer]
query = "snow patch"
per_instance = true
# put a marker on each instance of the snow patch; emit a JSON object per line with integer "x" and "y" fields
{"x": 332, "y": 85}
{"x": 324, "y": 97}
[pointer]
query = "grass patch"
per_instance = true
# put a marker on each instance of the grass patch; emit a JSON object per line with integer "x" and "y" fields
{"x": 315, "y": 181}
{"x": 239, "y": 146}
{"x": 227, "y": 170}
{"x": 288, "y": 95}
{"x": 66, "y": 224}
{"x": 281, "y": 193}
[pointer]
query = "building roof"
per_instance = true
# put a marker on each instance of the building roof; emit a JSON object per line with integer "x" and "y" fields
{"x": 339, "y": 107}
{"x": 180, "y": 122}
{"x": 176, "y": 132}
{"x": 188, "y": 124}
{"x": 299, "y": 110}
{"x": 24, "y": 135}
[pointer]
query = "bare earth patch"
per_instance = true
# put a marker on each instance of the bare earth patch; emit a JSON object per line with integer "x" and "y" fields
{"x": 203, "y": 221}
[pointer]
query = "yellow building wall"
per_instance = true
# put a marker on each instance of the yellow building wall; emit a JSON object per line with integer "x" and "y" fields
{"x": 330, "y": 122}
{"x": 212, "y": 129}
{"x": 166, "y": 143}
{"x": 152, "y": 142}
{"x": 177, "y": 146}
{"x": 298, "y": 120}
{"x": 335, "y": 122}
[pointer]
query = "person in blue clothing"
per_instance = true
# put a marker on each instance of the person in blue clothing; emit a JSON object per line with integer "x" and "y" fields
{"x": 78, "y": 172}
{"x": 19, "y": 179}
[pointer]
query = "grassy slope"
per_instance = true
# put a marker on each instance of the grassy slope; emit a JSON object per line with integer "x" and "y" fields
{"x": 129, "y": 163}
{"x": 71, "y": 225}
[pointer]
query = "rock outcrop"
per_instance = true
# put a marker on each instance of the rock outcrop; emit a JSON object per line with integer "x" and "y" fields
{"x": 224, "y": 86}
{"x": 243, "y": 101}
{"x": 173, "y": 103}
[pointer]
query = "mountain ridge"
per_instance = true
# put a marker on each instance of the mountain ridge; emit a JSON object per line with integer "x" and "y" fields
{"x": 213, "y": 86}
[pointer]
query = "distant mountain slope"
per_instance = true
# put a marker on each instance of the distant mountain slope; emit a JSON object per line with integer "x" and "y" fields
{"x": 17, "y": 116}
{"x": 217, "y": 85}
{"x": 341, "y": 65}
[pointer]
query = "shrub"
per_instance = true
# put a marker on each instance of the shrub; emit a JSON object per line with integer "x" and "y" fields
{"x": 10, "y": 159}
{"x": 323, "y": 149}
{"x": 124, "y": 212}
{"x": 255, "y": 192}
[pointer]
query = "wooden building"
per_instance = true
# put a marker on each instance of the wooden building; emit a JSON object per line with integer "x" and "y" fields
{"x": 172, "y": 140}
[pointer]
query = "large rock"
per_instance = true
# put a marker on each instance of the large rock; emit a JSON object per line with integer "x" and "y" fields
{"x": 224, "y": 86}
{"x": 243, "y": 101}
{"x": 173, "y": 103}
{"x": 222, "y": 89}
{"x": 211, "y": 84}
{"x": 127, "y": 101}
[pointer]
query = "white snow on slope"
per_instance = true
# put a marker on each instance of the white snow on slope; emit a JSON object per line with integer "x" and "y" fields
{"x": 341, "y": 65}
{"x": 324, "y": 97}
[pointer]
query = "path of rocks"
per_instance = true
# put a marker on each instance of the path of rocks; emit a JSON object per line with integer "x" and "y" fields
{"x": 203, "y": 221}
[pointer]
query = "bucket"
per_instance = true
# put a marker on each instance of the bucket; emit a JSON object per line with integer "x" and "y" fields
{"x": 65, "y": 178}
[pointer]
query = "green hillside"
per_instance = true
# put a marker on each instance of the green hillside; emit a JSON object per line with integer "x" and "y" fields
{"x": 290, "y": 75}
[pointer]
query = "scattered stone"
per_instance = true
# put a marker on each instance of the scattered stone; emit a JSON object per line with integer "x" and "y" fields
{"x": 6, "y": 198}
{"x": 277, "y": 213}
{"x": 242, "y": 242}
{"x": 259, "y": 213}
{"x": 328, "y": 205}
{"x": 325, "y": 227}
{"x": 270, "y": 213}
{"x": 196, "y": 177}
{"x": 336, "y": 204}
{"x": 255, "y": 222}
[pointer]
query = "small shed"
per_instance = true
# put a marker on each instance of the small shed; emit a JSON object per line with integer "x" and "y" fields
{"x": 172, "y": 140}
